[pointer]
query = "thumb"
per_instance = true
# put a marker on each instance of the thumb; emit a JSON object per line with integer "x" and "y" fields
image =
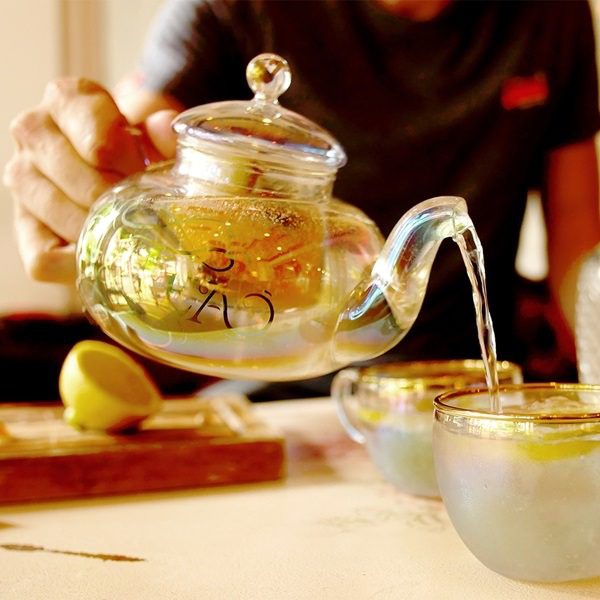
{"x": 159, "y": 132}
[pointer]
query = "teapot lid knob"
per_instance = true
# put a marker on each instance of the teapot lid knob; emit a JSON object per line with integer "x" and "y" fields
{"x": 268, "y": 76}
{"x": 262, "y": 126}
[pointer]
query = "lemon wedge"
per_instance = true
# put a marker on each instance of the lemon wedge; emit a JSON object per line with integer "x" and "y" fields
{"x": 104, "y": 389}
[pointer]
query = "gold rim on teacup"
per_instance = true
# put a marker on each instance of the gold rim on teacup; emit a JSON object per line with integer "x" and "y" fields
{"x": 429, "y": 374}
{"x": 443, "y": 404}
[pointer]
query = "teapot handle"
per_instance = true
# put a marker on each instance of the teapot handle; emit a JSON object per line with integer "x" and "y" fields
{"x": 343, "y": 388}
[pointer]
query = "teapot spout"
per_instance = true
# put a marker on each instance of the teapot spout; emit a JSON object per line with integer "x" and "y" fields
{"x": 383, "y": 307}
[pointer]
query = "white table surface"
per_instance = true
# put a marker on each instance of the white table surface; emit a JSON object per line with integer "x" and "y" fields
{"x": 333, "y": 529}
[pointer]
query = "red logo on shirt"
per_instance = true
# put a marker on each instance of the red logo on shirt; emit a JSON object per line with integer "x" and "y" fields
{"x": 524, "y": 92}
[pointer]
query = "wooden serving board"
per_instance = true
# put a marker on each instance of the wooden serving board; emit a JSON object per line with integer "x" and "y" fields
{"x": 190, "y": 442}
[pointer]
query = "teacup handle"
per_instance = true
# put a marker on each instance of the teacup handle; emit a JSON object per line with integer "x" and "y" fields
{"x": 343, "y": 388}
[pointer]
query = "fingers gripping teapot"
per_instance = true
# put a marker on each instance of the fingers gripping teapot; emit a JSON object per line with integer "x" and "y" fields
{"x": 234, "y": 260}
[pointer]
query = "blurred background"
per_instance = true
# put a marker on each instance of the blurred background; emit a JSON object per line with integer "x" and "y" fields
{"x": 102, "y": 40}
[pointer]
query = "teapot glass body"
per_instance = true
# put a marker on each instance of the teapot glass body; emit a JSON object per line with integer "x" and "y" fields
{"x": 245, "y": 285}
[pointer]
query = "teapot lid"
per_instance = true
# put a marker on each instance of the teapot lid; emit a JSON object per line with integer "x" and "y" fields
{"x": 262, "y": 125}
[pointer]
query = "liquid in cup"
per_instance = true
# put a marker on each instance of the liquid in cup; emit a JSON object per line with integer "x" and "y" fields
{"x": 522, "y": 487}
{"x": 389, "y": 408}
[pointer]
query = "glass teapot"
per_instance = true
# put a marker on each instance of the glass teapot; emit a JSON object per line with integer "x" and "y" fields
{"x": 234, "y": 260}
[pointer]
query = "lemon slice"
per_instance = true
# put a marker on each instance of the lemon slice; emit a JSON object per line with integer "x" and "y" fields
{"x": 370, "y": 415}
{"x": 103, "y": 388}
{"x": 559, "y": 445}
{"x": 557, "y": 450}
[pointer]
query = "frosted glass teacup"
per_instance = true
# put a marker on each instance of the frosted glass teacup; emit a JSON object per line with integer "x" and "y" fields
{"x": 389, "y": 409}
{"x": 522, "y": 488}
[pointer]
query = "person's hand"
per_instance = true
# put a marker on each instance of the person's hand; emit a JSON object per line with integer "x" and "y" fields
{"x": 69, "y": 150}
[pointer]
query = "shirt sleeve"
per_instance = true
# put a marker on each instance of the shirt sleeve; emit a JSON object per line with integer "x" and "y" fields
{"x": 577, "y": 116}
{"x": 191, "y": 53}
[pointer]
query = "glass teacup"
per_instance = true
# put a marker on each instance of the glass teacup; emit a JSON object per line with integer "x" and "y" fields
{"x": 522, "y": 488}
{"x": 389, "y": 408}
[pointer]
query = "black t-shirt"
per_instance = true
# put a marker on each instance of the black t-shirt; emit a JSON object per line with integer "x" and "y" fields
{"x": 467, "y": 104}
